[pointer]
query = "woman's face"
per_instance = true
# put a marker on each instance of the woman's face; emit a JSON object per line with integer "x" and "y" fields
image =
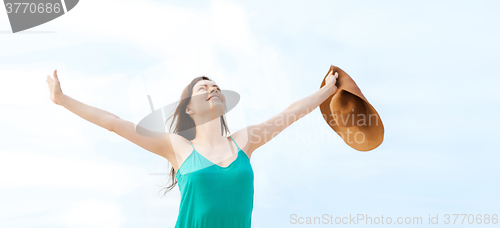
{"x": 207, "y": 100}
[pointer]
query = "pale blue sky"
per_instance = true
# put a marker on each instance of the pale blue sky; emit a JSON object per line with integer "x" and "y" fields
{"x": 428, "y": 67}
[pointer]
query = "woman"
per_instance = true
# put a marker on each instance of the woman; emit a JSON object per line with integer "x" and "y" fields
{"x": 215, "y": 181}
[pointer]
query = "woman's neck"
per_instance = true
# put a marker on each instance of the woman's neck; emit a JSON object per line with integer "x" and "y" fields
{"x": 209, "y": 134}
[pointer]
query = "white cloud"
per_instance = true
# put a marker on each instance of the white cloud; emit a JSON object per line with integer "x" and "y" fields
{"x": 93, "y": 213}
{"x": 25, "y": 168}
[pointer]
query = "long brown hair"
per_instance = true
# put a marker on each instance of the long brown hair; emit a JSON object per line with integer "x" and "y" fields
{"x": 184, "y": 125}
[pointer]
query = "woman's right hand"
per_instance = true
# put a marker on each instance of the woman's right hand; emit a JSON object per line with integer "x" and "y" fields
{"x": 54, "y": 88}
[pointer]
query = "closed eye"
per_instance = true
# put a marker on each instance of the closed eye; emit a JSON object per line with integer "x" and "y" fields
{"x": 204, "y": 88}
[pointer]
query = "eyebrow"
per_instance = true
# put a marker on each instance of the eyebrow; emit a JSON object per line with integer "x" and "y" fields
{"x": 206, "y": 85}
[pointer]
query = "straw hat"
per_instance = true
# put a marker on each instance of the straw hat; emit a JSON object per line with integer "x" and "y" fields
{"x": 350, "y": 114}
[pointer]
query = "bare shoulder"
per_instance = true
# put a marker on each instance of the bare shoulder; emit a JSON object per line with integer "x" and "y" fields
{"x": 241, "y": 137}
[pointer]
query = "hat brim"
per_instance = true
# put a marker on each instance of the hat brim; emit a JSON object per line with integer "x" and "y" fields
{"x": 359, "y": 137}
{"x": 153, "y": 125}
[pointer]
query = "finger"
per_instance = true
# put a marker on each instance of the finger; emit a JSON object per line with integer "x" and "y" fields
{"x": 55, "y": 75}
{"x": 336, "y": 74}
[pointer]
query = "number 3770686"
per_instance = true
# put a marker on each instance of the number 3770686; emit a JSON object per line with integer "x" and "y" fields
{"x": 33, "y": 7}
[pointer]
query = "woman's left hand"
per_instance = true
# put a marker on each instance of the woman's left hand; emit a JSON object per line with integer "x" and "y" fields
{"x": 330, "y": 80}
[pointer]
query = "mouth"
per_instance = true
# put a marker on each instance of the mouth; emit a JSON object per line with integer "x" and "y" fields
{"x": 215, "y": 97}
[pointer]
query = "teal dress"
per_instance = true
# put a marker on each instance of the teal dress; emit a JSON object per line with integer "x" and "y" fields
{"x": 213, "y": 196}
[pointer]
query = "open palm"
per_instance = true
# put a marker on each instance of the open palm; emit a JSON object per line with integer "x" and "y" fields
{"x": 54, "y": 88}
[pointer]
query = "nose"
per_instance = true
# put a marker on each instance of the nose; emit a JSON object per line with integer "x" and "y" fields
{"x": 211, "y": 91}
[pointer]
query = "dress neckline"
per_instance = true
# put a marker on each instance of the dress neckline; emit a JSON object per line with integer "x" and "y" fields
{"x": 194, "y": 150}
{"x": 226, "y": 167}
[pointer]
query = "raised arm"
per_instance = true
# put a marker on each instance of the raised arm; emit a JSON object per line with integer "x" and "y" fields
{"x": 259, "y": 134}
{"x": 158, "y": 145}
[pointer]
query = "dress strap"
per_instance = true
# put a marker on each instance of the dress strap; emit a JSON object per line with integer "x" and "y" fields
{"x": 192, "y": 145}
{"x": 235, "y": 142}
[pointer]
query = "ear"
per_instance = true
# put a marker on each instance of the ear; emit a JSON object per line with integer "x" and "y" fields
{"x": 189, "y": 111}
